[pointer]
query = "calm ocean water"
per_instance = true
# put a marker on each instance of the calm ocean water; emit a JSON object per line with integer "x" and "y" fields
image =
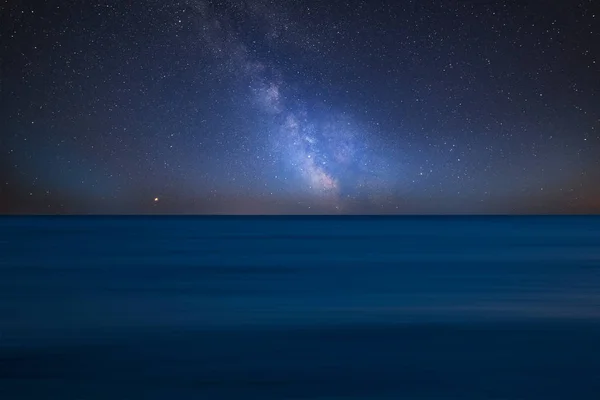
{"x": 300, "y": 308}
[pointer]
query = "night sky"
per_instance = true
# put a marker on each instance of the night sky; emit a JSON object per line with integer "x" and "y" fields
{"x": 276, "y": 107}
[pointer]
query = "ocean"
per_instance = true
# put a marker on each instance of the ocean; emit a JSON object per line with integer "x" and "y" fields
{"x": 218, "y": 307}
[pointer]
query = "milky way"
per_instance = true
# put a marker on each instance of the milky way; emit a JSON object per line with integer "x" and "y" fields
{"x": 325, "y": 151}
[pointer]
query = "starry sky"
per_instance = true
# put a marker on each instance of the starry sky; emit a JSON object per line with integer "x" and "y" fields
{"x": 300, "y": 107}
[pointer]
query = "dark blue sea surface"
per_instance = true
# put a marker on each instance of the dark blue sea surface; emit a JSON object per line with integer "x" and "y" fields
{"x": 300, "y": 308}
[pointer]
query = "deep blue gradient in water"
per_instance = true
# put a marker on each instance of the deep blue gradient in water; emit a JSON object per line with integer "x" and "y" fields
{"x": 300, "y": 308}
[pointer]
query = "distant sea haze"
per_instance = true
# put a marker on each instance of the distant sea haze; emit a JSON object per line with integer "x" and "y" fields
{"x": 300, "y": 307}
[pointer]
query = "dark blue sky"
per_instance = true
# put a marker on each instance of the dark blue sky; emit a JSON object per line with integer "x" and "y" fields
{"x": 300, "y": 107}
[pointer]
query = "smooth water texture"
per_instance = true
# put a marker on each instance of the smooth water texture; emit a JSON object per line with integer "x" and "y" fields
{"x": 300, "y": 307}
